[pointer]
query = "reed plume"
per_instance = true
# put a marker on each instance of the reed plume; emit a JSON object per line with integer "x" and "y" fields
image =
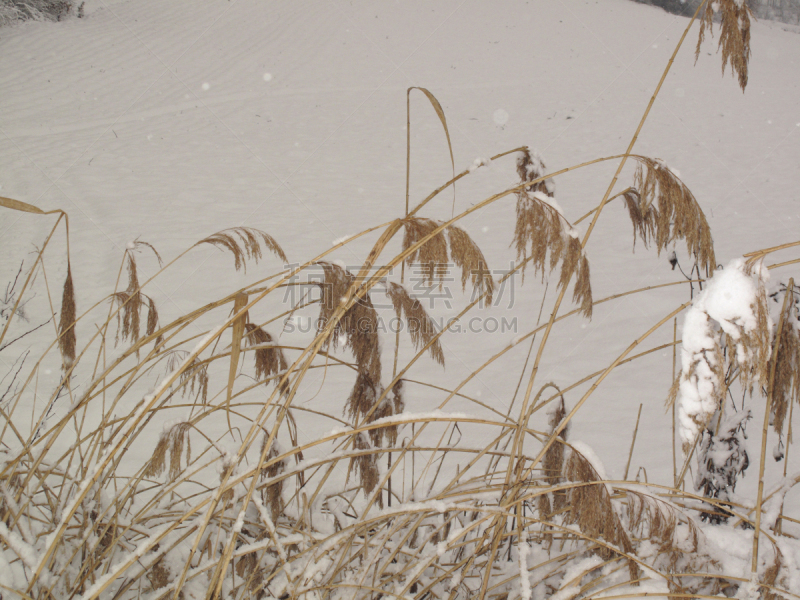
{"x": 754, "y": 346}
{"x": 468, "y": 257}
{"x": 590, "y": 508}
{"x": 387, "y": 408}
{"x": 421, "y": 327}
{"x": 541, "y": 228}
{"x": 66, "y": 328}
{"x": 171, "y": 441}
{"x": 553, "y": 463}
{"x": 362, "y": 397}
{"x": 131, "y": 302}
{"x": 195, "y": 374}
{"x": 734, "y": 38}
{"x": 358, "y": 326}
{"x": 775, "y": 575}
{"x": 720, "y": 342}
{"x": 245, "y": 244}
{"x": 269, "y": 358}
{"x": 785, "y": 360}
{"x": 453, "y": 246}
{"x": 662, "y": 209}
{"x": 431, "y": 256}
{"x": 366, "y": 464}
{"x": 678, "y": 543}
{"x": 273, "y": 494}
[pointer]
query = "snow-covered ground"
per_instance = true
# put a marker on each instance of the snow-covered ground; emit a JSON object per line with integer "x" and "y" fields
{"x": 168, "y": 121}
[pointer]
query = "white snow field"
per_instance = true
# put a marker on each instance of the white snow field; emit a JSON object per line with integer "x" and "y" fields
{"x": 165, "y": 122}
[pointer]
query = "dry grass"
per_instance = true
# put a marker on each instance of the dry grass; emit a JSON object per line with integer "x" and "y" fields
{"x": 260, "y": 504}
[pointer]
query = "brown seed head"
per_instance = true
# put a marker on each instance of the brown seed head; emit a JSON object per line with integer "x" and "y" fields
{"x": 66, "y": 327}
{"x": 541, "y": 228}
{"x": 734, "y": 39}
{"x": 421, "y": 327}
{"x": 269, "y": 359}
{"x": 366, "y": 464}
{"x": 244, "y": 243}
{"x": 173, "y": 441}
{"x": 663, "y": 209}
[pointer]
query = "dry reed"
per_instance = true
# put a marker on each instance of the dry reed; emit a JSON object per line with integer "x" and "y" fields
{"x": 286, "y": 521}
{"x": 785, "y": 360}
{"x": 67, "y": 339}
{"x": 172, "y": 441}
{"x": 245, "y": 244}
{"x": 734, "y": 37}
{"x": 269, "y": 359}
{"x": 421, "y": 327}
{"x": 662, "y": 210}
{"x": 541, "y": 228}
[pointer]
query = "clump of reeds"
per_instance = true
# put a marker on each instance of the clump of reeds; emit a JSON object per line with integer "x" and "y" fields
{"x": 235, "y": 518}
